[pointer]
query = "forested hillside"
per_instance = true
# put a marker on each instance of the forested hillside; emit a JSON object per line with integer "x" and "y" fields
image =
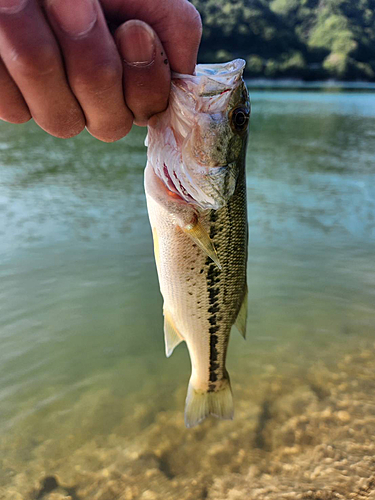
{"x": 310, "y": 39}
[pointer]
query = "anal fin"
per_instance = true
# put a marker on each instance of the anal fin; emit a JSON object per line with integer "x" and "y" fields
{"x": 242, "y": 316}
{"x": 172, "y": 336}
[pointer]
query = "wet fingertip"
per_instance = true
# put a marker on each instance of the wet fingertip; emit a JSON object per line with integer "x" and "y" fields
{"x": 110, "y": 136}
{"x": 24, "y": 118}
{"x": 66, "y": 131}
{"x": 17, "y": 117}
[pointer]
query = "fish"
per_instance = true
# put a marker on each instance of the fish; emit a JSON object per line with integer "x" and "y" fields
{"x": 195, "y": 187}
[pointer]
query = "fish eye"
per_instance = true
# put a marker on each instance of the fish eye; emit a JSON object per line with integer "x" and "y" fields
{"x": 240, "y": 118}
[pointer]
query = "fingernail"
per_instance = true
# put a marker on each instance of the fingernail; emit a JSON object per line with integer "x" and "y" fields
{"x": 11, "y": 6}
{"x": 75, "y": 17}
{"x": 137, "y": 43}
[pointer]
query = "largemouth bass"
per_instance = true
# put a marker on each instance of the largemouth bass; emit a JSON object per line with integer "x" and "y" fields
{"x": 196, "y": 198}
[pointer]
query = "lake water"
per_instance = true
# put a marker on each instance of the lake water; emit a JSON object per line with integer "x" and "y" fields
{"x": 90, "y": 408}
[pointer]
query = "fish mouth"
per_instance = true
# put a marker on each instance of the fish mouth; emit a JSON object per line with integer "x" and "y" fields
{"x": 225, "y": 73}
{"x": 209, "y": 89}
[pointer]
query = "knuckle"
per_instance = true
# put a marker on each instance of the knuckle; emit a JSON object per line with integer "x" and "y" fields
{"x": 37, "y": 62}
{"x": 98, "y": 79}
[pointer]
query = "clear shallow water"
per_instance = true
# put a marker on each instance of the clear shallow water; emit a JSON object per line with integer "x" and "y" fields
{"x": 82, "y": 365}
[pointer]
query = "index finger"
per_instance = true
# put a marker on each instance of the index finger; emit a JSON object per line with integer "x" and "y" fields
{"x": 177, "y": 23}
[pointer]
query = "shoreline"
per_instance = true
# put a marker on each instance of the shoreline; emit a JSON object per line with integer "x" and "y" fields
{"x": 317, "y": 85}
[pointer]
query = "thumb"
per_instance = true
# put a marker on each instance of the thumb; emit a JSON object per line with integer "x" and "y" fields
{"x": 146, "y": 70}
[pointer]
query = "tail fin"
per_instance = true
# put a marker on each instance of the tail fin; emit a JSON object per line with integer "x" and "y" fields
{"x": 200, "y": 404}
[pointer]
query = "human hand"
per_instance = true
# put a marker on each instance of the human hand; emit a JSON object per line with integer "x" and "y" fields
{"x": 60, "y": 65}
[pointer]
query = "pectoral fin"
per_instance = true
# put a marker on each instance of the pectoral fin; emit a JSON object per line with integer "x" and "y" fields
{"x": 172, "y": 336}
{"x": 242, "y": 316}
{"x": 199, "y": 235}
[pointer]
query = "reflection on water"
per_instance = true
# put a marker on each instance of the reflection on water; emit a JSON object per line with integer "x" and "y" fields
{"x": 89, "y": 406}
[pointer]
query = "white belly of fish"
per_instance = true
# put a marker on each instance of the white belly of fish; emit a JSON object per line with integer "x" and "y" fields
{"x": 179, "y": 263}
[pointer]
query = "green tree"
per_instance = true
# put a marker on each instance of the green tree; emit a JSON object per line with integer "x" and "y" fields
{"x": 284, "y": 38}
